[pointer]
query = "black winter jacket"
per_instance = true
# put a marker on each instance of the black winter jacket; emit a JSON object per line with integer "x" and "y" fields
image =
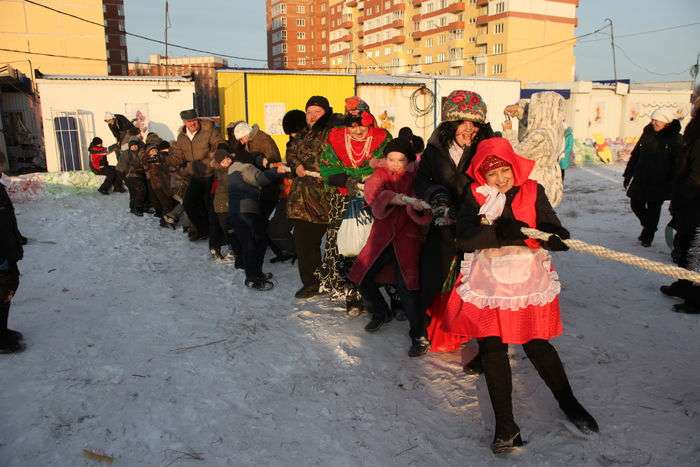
{"x": 10, "y": 238}
{"x": 472, "y": 235}
{"x": 651, "y": 166}
{"x": 685, "y": 202}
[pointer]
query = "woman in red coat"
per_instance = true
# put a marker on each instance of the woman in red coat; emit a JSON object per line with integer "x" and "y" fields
{"x": 394, "y": 243}
{"x": 508, "y": 291}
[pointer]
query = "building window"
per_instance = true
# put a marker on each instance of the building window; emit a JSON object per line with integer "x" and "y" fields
{"x": 428, "y": 59}
{"x": 500, "y": 7}
{"x": 443, "y": 21}
{"x": 497, "y": 68}
{"x": 301, "y": 9}
{"x": 323, "y": 20}
{"x": 395, "y": 62}
{"x": 440, "y": 57}
{"x": 284, "y": 34}
{"x": 499, "y": 28}
{"x": 323, "y": 7}
{"x": 387, "y": 50}
{"x": 301, "y": 48}
{"x": 498, "y": 48}
{"x": 472, "y": 20}
{"x": 323, "y": 47}
{"x": 301, "y": 61}
{"x": 442, "y": 40}
{"x": 301, "y": 22}
{"x": 301, "y": 35}
{"x": 429, "y": 43}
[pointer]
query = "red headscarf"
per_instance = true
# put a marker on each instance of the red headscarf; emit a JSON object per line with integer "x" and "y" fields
{"x": 523, "y": 204}
{"x": 501, "y": 148}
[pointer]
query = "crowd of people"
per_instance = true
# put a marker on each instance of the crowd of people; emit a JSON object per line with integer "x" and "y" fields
{"x": 428, "y": 233}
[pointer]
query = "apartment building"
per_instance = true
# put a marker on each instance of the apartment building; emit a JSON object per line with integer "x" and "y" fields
{"x": 55, "y": 43}
{"x": 201, "y": 68}
{"x": 297, "y": 34}
{"x": 528, "y": 40}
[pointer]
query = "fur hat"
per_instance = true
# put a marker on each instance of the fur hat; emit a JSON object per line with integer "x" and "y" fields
{"x": 402, "y": 145}
{"x": 135, "y": 141}
{"x": 190, "y": 114}
{"x": 220, "y": 155}
{"x": 664, "y": 114}
{"x": 241, "y": 130}
{"x": 163, "y": 145}
{"x": 464, "y": 105}
{"x": 294, "y": 121}
{"x": 319, "y": 101}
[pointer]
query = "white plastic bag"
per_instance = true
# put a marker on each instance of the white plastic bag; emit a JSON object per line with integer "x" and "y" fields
{"x": 355, "y": 228}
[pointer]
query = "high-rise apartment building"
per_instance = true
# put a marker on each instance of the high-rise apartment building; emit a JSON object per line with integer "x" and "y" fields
{"x": 530, "y": 40}
{"x": 55, "y": 43}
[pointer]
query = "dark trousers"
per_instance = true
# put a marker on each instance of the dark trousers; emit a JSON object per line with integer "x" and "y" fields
{"x": 682, "y": 243}
{"x": 137, "y": 193}
{"x": 161, "y": 200}
{"x": 307, "y": 241}
{"x": 113, "y": 179}
{"x": 279, "y": 230}
{"x": 494, "y": 358}
{"x": 409, "y": 298}
{"x": 250, "y": 230}
{"x": 9, "y": 282}
{"x": 648, "y": 213}
{"x": 222, "y": 233}
{"x": 197, "y": 204}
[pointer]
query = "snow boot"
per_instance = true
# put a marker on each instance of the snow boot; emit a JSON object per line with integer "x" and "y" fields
{"x": 137, "y": 212}
{"x": 376, "y": 323}
{"x": 307, "y": 291}
{"x": 261, "y": 284}
{"x": 282, "y": 257}
{"x": 679, "y": 288}
{"x": 419, "y": 347}
{"x": 503, "y": 444}
{"x": 103, "y": 191}
{"x": 474, "y": 366}
{"x": 686, "y": 308}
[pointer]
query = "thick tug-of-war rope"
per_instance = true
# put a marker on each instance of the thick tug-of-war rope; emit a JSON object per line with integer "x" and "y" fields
{"x": 632, "y": 260}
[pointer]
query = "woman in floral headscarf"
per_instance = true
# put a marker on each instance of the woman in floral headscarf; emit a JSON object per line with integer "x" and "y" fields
{"x": 508, "y": 291}
{"x": 345, "y": 163}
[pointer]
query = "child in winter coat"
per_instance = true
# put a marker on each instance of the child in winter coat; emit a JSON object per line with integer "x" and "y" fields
{"x": 158, "y": 177}
{"x": 508, "y": 292}
{"x": 100, "y": 166}
{"x": 247, "y": 176}
{"x": 135, "y": 176}
{"x": 394, "y": 242}
{"x": 220, "y": 232}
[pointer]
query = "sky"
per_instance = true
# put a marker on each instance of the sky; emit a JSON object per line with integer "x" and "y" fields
{"x": 237, "y": 27}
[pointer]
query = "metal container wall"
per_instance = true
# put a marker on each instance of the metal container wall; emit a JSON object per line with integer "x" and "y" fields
{"x": 263, "y": 98}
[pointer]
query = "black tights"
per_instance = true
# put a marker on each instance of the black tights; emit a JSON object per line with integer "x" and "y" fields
{"x": 494, "y": 358}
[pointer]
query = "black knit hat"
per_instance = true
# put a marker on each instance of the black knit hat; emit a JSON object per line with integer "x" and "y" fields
{"x": 220, "y": 155}
{"x": 402, "y": 145}
{"x": 319, "y": 101}
{"x": 95, "y": 141}
{"x": 294, "y": 121}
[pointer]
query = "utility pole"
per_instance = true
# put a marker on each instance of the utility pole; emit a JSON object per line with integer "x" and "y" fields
{"x": 166, "y": 38}
{"x": 612, "y": 44}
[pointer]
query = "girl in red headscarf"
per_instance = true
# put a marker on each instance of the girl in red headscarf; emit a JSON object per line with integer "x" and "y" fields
{"x": 508, "y": 291}
{"x": 345, "y": 163}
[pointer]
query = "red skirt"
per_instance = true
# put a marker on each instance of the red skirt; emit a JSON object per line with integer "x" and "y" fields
{"x": 464, "y": 321}
{"x": 440, "y": 339}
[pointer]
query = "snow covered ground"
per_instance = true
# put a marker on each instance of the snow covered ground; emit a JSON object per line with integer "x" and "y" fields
{"x": 112, "y": 311}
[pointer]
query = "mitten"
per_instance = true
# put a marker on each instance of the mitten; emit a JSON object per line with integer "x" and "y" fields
{"x": 508, "y": 230}
{"x": 554, "y": 243}
{"x": 554, "y": 229}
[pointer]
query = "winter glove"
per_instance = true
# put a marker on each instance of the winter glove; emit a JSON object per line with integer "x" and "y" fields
{"x": 555, "y": 243}
{"x": 557, "y": 230}
{"x": 508, "y": 230}
{"x": 626, "y": 182}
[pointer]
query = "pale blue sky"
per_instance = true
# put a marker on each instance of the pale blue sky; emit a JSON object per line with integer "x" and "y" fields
{"x": 237, "y": 27}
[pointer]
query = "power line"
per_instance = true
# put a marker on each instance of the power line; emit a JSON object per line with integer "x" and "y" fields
{"x": 641, "y": 33}
{"x": 146, "y": 38}
{"x": 642, "y": 67}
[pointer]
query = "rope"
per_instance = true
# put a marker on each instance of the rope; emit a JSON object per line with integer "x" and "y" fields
{"x": 626, "y": 258}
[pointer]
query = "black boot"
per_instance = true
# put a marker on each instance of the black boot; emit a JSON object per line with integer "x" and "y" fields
{"x": 687, "y": 308}
{"x": 376, "y": 323}
{"x": 679, "y": 288}
{"x": 577, "y": 415}
{"x": 10, "y": 341}
{"x": 307, "y": 291}
{"x": 474, "y": 366}
{"x": 505, "y": 443}
{"x": 419, "y": 347}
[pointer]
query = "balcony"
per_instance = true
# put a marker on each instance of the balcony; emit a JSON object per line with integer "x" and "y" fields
{"x": 360, "y": 34}
{"x": 361, "y": 5}
{"x": 481, "y": 36}
{"x": 361, "y": 20}
{"x": 482, "y": 2}
{"x": 360, "y": 48}
{"x": 351, "y": 3}
{"x": 416, "y": 35}
{"x": 456, "y": 7}
{"x": 457, "y": 63}
{"x": 396, "y": 24}
{"x": 346, "y": 38}
{"x": 398, "y": 39}
{"x": 416, "y": 18}
{"x": 417, "y": 3}
{"x": 456, "y": 25}
{"x": 416, "y": 53}
{"x": 345, "y": 25}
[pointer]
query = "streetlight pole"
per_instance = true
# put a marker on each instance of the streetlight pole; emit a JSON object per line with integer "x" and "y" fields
{"x": 612, "y": 44}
